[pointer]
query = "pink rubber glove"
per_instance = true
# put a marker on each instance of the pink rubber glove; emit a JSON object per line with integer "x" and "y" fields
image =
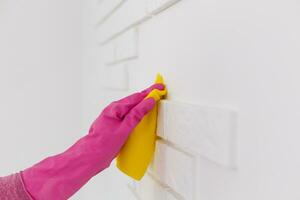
{"x": 60, "y": 176}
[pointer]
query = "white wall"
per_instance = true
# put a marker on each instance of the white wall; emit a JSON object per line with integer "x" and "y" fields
{"x": 239, "y": 55}
{"x": 40, "y": 79}
{"x": 220, "y": 60}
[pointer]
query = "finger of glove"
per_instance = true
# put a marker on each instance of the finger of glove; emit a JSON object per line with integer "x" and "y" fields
{"x": 137, "y": 113}
{"x": 158, "y": 86}
{"x": 119, "y": 109}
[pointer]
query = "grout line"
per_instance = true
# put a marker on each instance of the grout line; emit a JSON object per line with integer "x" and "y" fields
{"x": 166, "y": 187}
{"x": 146, "y": 18}
{"x": 113, "y": 63}
{"x": 137, "y": 196}
{"x": 164, "y": 7}
{"x": 117, "y": 34}
{"x": 177, "y": 147}
{"x": 110, "y": 13}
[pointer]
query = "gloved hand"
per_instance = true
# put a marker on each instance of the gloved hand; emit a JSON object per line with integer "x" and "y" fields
{"x": 60, "y": 176}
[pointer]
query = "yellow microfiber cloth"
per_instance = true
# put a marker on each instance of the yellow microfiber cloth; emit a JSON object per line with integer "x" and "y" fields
{"x": 138, "y": 151}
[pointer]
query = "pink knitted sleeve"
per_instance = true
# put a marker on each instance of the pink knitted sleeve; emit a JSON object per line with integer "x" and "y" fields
{"x": 12, "y": 188}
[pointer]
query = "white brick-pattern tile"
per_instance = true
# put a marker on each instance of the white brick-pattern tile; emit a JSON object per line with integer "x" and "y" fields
{"x": 129, "y": 14}
{"x": 207, "y": 131}
{"x": 174, "y": 168}
{"x": 127, "y": 45}
{"x": 186, "y": 131}
{"x": 108, "y": 53}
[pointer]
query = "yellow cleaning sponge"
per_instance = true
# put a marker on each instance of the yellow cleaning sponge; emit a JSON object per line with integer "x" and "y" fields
{"x": 138, "y": 151}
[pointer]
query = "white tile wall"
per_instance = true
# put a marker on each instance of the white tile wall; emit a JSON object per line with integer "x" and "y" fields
{"x": 116, "y": 77}
{"x": 127, "y": 45}
{"x": 187, "y": 131}
{"x": 208, "y": 131}
{"x": 123, "y": 18}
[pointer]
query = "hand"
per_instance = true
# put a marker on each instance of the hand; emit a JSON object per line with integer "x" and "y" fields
{"x": 59, "y": 177}
{"x": 118, "y": 119}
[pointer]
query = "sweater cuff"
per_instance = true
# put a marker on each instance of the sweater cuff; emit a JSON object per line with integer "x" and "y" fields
{"x": 12, "y": 187}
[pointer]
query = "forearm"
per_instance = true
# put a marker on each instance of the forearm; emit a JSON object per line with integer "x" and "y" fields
{"x": 58, "y": 177}
{"x": 72, "y": 169}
